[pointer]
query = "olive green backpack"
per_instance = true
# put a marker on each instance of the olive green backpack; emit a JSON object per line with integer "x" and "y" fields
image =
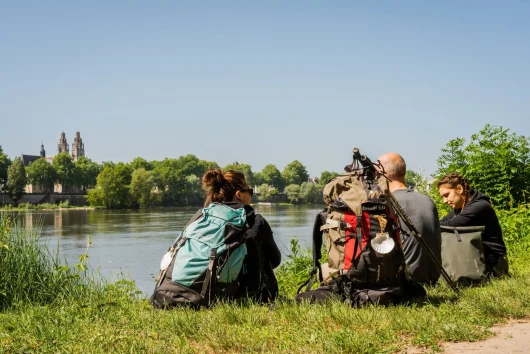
{"x": 463, "y": 253}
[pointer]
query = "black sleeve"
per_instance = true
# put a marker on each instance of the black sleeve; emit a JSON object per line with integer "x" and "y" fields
{"x": 267, "y": 244}
{"x": 444, "y": 220}
{"x": 471, "y": 215}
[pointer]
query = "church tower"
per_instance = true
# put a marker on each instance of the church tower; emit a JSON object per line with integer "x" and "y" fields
{"x": 78, "y": 148}
{"x": 63, "y": 145}
{"x": 42, "y": 151}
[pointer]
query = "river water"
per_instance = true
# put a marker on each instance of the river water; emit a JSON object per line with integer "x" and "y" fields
{"x": 130, "y": 244}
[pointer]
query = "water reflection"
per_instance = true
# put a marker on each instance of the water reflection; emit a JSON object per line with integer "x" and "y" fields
{"x": 133, "y": 242}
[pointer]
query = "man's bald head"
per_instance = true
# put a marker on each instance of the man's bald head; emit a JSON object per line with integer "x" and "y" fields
{"x": 394, "y": 165}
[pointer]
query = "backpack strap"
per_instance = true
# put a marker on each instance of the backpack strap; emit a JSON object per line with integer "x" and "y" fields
{"x": 359, "y": 232}
{"x": 174, "y": 249}
{"x": 208, "y": 278}
{"x": 458, "y": 237}
{"x": 320, "y": 220}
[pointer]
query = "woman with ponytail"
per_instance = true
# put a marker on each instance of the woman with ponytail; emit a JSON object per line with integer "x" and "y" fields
{"x": 473, "y": 208}
{"x": 231, "y": 188}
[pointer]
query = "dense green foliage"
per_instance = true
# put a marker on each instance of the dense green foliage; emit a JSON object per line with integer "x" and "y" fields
{"x": 295, "y": 173}
{"x": 293, "y": 193}
{"x": 142, "y": 185}
{"x": 86, "y": 173}
{"x": 16, "y": 179}
{"x": 112, "y": 189}
{"x": 64, "y": 170}
{"x": 4, "y": 165}
{"x": 495, "y": 161}
{"x": 326, "y": 176}
{"x": 272, "y": 176}
{"x": 41, "y": 173}
{"x": 411, "y": 178}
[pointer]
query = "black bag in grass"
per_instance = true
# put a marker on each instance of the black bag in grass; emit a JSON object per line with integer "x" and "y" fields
{"x": 340, "y": 289}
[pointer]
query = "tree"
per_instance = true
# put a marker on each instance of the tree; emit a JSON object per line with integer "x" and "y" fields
{"x": 5, "y": 162}
{"x": 258, "y": 179}
{"x": 193, "y": 192}
{"x": 495, "y": 161}
{"x": 140, "y": 162}
{"x": 412, "y": 178}
{"x": 65, "y": 170}
{"x": 295, "y": 173}
{"x": 272, "y": 176}
{"x": 41, "y": 173}
{"x": 244, "y": 168}
{"x": 112, "y": 188}
{"x": 293, "y": 193}
{"x": 170, "y": 180}
{"x": 142, "y": 188}
{"x": 16, "y": 179}
{"x": 86, "y": 172}
{"x": 264, "y": 192}
{"x": 326, "y": 176}
{"x": 311, "y": 193}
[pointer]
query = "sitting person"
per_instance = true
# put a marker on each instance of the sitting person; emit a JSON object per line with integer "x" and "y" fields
{"x": 423, "y": 214}
{"x": 231, "y": 189}
{"x": 473, "y": 208}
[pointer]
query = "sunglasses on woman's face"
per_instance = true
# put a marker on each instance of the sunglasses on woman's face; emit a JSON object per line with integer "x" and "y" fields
{"x": 249, "y": 190}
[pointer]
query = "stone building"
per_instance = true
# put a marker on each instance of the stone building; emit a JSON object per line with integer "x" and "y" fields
{"x": 78, "y": 150}
{"x": 63, "y": 145}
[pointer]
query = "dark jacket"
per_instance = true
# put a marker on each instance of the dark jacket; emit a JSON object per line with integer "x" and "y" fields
{"x": 479, "y": 212}
{"x": 271, "y": 257}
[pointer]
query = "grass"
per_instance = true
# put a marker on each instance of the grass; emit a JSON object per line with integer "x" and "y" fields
{"x": 30, "y": 274}
{"x": 112, "y": 318}
{"x": 43, "y": 206}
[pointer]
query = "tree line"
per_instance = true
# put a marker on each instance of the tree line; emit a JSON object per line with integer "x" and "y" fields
{"x": 142, "y": 183}
{"x": 495, "y": 161}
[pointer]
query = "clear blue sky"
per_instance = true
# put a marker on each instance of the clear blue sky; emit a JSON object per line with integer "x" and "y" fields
{"x": 261, "y": 82}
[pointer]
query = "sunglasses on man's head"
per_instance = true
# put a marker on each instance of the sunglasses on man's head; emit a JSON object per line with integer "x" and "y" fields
{"x": 249, "y": 190}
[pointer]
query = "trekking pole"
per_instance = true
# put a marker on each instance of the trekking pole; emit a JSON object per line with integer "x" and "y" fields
{"x": 371, "y": 171}
{"x": 403, "y": 216}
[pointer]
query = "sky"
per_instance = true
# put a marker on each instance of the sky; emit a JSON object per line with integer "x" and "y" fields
{"x": 263, "y": 82}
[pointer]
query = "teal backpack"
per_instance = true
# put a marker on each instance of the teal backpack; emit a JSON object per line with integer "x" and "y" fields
{"x": 211, "y": 259}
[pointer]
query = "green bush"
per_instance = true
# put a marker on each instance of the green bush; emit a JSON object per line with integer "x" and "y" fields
{"x": 296, "y": 268}
{"x": 495, "y": 161}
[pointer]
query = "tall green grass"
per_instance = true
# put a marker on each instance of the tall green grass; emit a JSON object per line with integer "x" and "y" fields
{"x": 31, "y": 274}
{"x": 515, "y": 224}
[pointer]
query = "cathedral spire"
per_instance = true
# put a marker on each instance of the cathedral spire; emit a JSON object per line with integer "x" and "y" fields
{"x": 42, "y": 151}
{"x": 63, "y": 144}
{"x": 78, "y": 148}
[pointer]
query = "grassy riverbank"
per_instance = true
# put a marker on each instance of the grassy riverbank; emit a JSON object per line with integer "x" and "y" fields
{"x": 45, "y": 206}
{"x": 47, "y": 307}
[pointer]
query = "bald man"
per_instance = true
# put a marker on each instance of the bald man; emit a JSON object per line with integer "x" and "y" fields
{"x": 423, "y": 214}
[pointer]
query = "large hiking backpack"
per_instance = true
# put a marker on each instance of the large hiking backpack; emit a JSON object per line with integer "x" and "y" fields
{"x": 365, "y": 256}
{"x": 211, "y": 259}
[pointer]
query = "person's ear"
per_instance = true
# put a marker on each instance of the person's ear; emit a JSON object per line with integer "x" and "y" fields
{"x": 237, "y": 196}
{"x": 460, "y": 189}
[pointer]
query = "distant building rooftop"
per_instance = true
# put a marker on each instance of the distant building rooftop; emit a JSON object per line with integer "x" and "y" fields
{"x": 27, "y": 159}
